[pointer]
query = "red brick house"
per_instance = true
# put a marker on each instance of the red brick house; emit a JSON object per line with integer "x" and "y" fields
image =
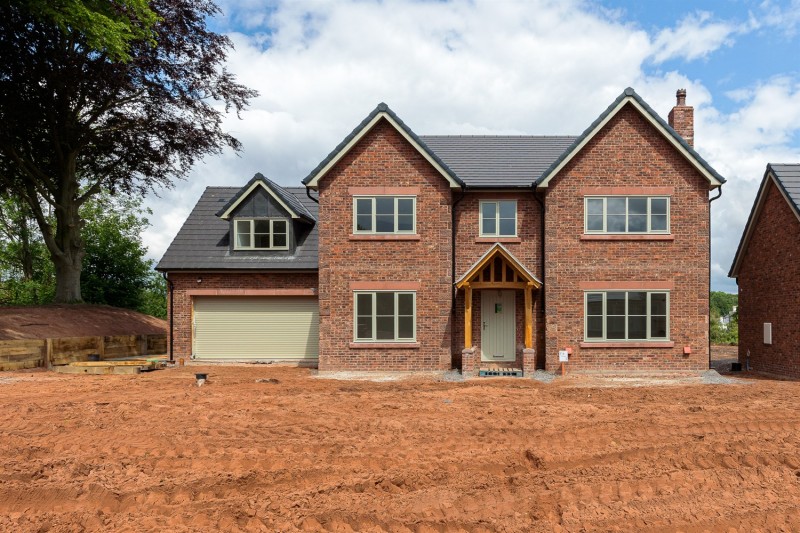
{"x": 767, "y": 270}
{"x": 408, "y": 252}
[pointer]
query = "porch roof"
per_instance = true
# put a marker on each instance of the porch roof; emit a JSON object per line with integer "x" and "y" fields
{"x": 498, "y": 250}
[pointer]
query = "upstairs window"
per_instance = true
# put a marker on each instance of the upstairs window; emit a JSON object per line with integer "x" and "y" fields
{"x": 626, "y": 316}
{"x": 498, "y": 218}
{"x": 626, "y": 214}
{"x": 261, "y": 234}
{"x": 384, "y": 214}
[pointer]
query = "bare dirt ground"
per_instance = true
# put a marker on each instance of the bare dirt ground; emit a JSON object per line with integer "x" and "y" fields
{"x": 266, "y": 448}
{"x": 53, "y": 321}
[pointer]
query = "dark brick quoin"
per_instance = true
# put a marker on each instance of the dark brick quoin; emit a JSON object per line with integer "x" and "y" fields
{"x": 184, "y": 283}
{"x": 769, "y": 284}
{"x": 628, "y": 152}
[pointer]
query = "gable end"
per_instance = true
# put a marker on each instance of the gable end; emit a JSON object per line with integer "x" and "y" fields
{"x": 381, "y": 112}
{"x": 770, "y": 179}
{"x": 630, "y": 97}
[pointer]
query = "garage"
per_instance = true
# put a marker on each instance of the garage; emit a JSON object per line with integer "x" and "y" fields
{"x": 249, "y": 327}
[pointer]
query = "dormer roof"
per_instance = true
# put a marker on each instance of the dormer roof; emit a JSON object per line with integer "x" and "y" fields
{"x": 287, "y": 200}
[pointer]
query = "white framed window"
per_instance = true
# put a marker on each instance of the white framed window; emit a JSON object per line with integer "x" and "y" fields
{"x": 385, "y": 316}
{"x": 626, "y": 214}
{"x": 626, "y": 315}
{"x": 498, "y": 218}
{"x": 384, "y": 214}
{"x": 261, "y": 234}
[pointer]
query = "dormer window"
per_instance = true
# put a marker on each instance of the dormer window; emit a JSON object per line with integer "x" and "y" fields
{"x": 261, "y": 234}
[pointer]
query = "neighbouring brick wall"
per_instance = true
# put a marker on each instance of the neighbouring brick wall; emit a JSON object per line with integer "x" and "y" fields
{"x": 470, "y": 247}
{"x": 769, "y": 284}
{"x": 182, "y": 300}
{"x": 383, "y": 158}
{"x": 628, "y": 152}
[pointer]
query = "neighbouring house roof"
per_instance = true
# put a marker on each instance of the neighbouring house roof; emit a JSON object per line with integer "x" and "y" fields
{"x": 381, "y": 112}
{"x": 289, "y": 201}
{"x": 630, "y": 97}
{"x": 786, "y": 177}
{"x": 485, "y": 161}
{"x": 203, "y": 241}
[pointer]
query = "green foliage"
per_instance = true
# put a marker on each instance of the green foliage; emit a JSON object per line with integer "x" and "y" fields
{"x": 114, "y": 268}
{"x": 153, "y": 296}
{"x": 722, "y": 304}
{"x": 106, "y": 95}
{"x": 115, "y": 272}
{"x": 107, "y": 26}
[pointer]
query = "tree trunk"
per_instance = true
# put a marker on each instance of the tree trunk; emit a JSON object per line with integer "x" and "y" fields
{"x": 68, "y": 278}
{"x": 26, "y": 257}
{"x": 68, "y": 250}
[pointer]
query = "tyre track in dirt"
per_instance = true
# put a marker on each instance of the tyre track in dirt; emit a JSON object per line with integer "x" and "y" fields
{"x": 157, "y": 453}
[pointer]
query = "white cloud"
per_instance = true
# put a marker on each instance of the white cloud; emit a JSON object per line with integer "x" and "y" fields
{"x": 526, "y": 67}
{"x": 696, "y": 36}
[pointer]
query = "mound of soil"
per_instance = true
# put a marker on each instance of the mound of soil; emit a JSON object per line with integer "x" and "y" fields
{"x": 82, "y": 320}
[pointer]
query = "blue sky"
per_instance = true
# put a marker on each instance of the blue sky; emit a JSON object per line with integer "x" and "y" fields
{"x": 506, "y": 67}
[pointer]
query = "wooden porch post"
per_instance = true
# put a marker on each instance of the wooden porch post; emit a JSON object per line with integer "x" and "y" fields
{"x": 468, "y": 317}
{"x": 528, "y": 317}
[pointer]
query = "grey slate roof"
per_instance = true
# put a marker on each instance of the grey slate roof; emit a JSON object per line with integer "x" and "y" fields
{"x": 381, "y": 108}
{"x": 498, "y": 160}
{"x": 789, "y": 180}
{"x": 629, "y": 92}
{"x": 287, "y": 197}
{"x": 203, "y": 241}
{"x": 787, "y": 177}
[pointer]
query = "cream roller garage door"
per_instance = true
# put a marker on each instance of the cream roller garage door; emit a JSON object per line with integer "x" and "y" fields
{"x": 249, "y": 327}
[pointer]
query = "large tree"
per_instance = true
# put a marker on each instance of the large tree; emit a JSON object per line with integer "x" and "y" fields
{"x": 76, "y": 119}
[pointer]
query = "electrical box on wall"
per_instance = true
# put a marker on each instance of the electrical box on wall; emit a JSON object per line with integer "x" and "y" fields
{"x": 767, "y": 332}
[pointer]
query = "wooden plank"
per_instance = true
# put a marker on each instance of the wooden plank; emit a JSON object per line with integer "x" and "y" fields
{"x": 139, "y": 362}
{"x": 157, "y": 344}
{"x": 68, "y": 349}
{"x": 468, "y": 317}
{"x": 528, "y": 318}
{"x": 498, "y": 285}
{"x": 21, "y": 365}
{"x": 98, "y": 370}
{"x": 121, "y": 346}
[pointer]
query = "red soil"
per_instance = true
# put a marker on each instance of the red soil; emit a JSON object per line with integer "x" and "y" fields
{"x": 155, "y": 452}
{"x": 83, "y": 320}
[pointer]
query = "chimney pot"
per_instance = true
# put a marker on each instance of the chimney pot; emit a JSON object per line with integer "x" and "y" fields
{"x": 681, "y": 118}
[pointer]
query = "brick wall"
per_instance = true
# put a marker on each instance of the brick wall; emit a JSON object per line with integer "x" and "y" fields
{"x": 183, "y": 283}
{"x": 769, "y": 284}
{"x": 526, "y": 248}
{"x": 628, "y": 152}
{"x": 383, "y": 158}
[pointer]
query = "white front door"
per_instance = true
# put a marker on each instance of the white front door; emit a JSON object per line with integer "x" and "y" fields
{"x": 498, "y": 325}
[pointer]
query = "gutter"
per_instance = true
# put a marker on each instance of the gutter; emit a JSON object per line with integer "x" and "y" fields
{"x": 308, "y": 193}
{"x": 719, "y": 189}
{"x": 170, "y": 287}
{"x": 453, "y": 246}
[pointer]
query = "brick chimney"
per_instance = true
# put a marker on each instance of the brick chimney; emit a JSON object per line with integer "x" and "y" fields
{"x": 681, "y": 118}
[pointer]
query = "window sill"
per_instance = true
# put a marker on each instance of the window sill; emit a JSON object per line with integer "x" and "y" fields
{"x": 387, "y": 237}
{"x": 385, "y": 345}
{"x": 635, "y": 237}
{"x": 498, "y": 239}
{"x": 647, "y": 344}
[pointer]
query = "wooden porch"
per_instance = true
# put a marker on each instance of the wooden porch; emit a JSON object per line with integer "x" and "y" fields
{"x": 498, "y": 269}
